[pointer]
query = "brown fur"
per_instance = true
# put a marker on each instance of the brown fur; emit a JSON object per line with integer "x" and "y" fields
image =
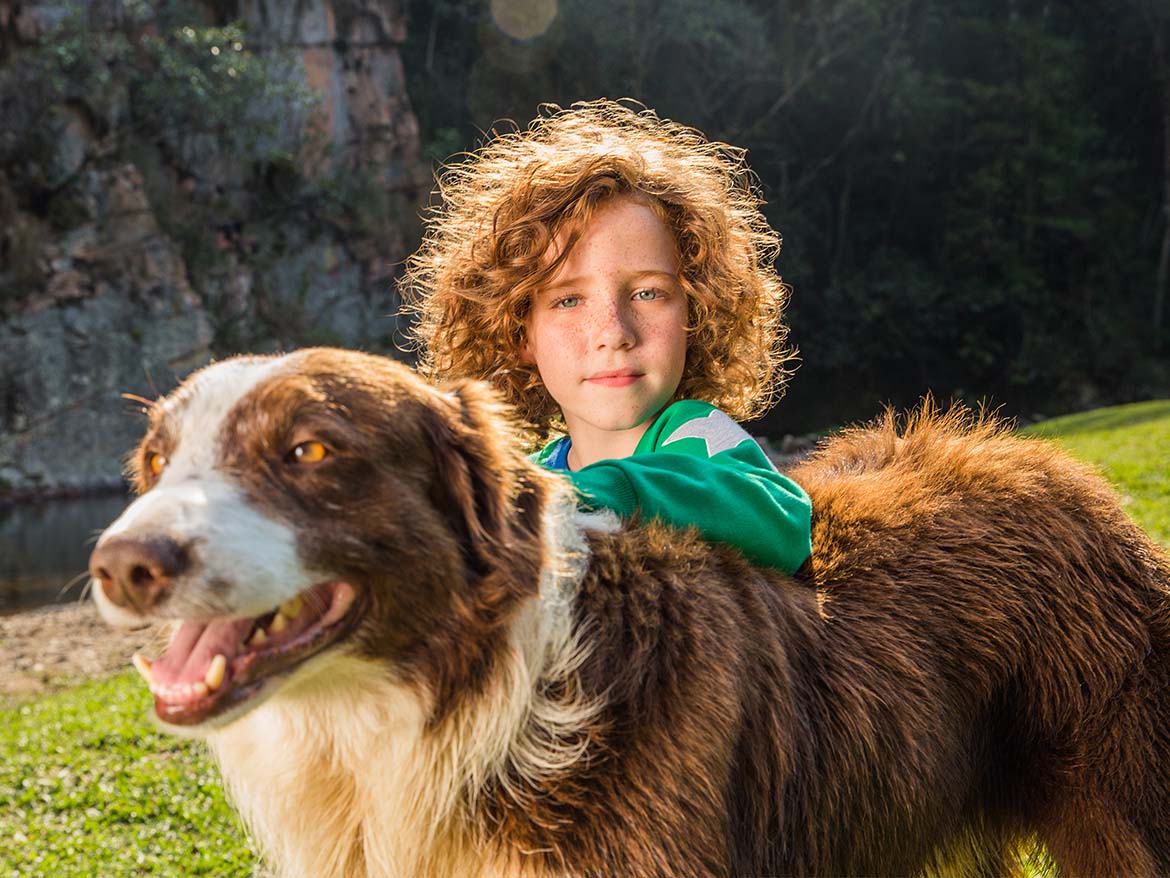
{"x": 975, "y": 658}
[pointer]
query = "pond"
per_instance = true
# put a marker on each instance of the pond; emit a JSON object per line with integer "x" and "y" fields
{"x": 44, "y": 549}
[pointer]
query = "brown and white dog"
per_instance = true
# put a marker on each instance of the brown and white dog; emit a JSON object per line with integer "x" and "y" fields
{"x": 412, "y": 656}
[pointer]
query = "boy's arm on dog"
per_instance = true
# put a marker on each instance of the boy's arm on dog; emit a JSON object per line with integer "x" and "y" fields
{"x": 731, "y": 497}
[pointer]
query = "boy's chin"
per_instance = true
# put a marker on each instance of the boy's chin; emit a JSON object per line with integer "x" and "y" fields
{"x": 618, "y": 409}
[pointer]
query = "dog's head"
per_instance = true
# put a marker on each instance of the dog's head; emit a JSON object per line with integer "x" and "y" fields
{"x": 296, "y": 506}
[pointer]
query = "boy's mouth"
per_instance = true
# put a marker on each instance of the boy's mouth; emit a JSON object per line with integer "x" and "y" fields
{"x": 615, "y": 378}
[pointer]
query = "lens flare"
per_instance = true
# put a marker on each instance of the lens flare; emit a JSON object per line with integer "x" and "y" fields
{"x": 523, "y": 19}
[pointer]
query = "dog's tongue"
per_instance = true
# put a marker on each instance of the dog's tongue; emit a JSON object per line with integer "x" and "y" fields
{"x": 194, "y": 645}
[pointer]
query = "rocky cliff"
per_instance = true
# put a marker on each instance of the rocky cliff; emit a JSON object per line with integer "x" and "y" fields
{"x": 184, "y": 184}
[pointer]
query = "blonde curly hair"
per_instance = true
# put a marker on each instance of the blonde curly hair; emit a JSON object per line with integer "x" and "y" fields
{"x": 483, "y": 256}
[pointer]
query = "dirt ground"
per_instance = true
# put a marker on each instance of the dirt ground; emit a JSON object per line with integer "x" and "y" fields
{"x": 52, "y": 648}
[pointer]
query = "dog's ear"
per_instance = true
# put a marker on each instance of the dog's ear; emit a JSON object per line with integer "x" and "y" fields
{"x": 492, "y": 497}
{"x": 478, "y": 485}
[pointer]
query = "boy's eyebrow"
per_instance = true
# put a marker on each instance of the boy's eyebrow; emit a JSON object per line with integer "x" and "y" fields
{"x": 635, "y": 275}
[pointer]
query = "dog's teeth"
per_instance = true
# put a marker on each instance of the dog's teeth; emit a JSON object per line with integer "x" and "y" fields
{"x": 259, "y": 638}
{"x": 278, "y": 622}
{"x": 214, "y": 676}
{"x": 142, "y": 666}
{"x": 198, "y": 689}
{"x": 291, "y": 609}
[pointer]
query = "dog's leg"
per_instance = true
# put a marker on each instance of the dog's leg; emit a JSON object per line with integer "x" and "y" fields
{"x": 1089, "y": 837}
{"x": 1110, "y": 809}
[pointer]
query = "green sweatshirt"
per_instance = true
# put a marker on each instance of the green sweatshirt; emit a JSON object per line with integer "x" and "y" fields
{"x": 696, "y": 466}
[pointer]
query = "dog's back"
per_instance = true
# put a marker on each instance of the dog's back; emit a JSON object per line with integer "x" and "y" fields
{"x": 991, "y": 668}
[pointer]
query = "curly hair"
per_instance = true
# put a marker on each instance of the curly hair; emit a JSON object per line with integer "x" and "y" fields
{"x": 482, "y": 258}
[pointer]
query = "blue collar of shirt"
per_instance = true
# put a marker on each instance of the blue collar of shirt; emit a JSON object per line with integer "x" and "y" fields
{"x": 558, "y": 459}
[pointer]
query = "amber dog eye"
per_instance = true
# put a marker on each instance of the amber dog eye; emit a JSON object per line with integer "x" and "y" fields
{"x": 155, "y": 463}
{"x": 308, "y": 452}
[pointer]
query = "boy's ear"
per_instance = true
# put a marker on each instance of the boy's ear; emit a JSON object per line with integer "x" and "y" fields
{"x": 525, "y": 352}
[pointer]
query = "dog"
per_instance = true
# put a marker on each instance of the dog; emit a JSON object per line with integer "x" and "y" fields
{"x": 412, "y": 655}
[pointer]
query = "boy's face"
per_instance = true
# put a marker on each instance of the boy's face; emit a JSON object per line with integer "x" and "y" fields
{"x": 608, "y": 331}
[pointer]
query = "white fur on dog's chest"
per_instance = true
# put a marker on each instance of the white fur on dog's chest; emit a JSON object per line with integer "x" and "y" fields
{"x": 341, "y": 778}
{"x": 333, "y": 776}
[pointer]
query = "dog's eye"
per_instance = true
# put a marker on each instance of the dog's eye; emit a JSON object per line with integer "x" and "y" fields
{"x": 308, "y": 452}
{"x": 155, "y": 463}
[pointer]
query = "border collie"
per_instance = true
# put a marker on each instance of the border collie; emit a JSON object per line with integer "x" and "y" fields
{"x": 412, "y": 656}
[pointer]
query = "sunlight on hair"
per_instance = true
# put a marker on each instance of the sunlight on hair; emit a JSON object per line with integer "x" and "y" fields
{"x": 524, "y": 19}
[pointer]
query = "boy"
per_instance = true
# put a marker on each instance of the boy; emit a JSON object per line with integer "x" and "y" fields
{"x": 611, "y": 271}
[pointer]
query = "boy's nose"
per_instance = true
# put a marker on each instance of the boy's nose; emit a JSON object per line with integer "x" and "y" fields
{"x": 616, "y": 329}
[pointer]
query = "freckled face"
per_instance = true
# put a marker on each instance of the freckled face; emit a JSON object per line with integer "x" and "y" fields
{"x": 608, "y": 332}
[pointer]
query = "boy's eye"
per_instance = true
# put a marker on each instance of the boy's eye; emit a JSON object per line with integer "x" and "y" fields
{"x": 647, "y": 295}
{"x": 567, "y": 302}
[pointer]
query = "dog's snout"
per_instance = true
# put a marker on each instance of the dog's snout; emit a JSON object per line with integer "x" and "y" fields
{"x": 136, "y": 572}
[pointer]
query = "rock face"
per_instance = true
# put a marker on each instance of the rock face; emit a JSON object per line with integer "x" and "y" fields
{"x": 116, "y": 312}
{"x": 128, "y": 260}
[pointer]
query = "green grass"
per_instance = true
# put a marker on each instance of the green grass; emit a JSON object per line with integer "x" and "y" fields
{"x": 89, "y": 788}
{"x": 1131, "y": 445}
{"x": 96, "y": 791}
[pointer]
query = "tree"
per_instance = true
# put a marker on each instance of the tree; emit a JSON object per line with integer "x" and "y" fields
{"x": 974, "y": 194}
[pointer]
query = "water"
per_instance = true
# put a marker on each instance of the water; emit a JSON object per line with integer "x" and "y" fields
{"x": 45, "y": 546}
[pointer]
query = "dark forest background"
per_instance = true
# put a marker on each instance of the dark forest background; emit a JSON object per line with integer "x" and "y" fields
{"x": 972, "y": 193}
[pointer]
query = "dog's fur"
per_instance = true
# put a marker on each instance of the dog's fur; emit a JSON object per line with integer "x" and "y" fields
{"x": 972, "y": 664}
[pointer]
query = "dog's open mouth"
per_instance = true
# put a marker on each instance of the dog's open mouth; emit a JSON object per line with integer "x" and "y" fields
{"x": 211, "y": 667}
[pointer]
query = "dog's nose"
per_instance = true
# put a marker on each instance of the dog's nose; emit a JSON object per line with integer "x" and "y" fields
{"x": 136, "y": 572}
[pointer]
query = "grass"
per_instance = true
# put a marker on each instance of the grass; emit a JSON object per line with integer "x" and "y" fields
{"x": 1131, "y": 445}
{"x": 97, "y": 791}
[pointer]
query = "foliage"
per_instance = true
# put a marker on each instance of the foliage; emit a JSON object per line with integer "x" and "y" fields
{"x": 153, "y": 76}
{"x": 969, "y": 190}
{"x": 92, "y": 790}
